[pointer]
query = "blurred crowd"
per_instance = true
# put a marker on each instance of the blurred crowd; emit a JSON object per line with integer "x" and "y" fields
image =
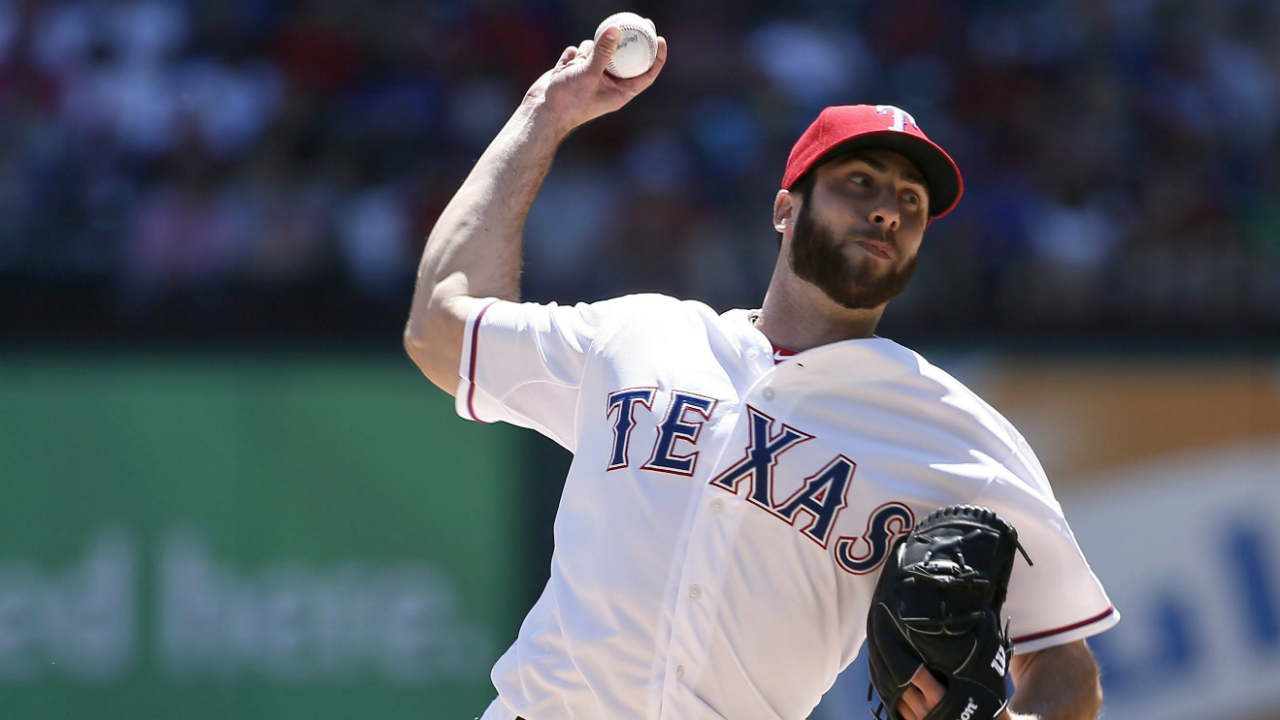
{"x": 221, "y": 156}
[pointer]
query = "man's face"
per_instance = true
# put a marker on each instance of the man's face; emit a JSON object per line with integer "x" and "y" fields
{"x": 857, "y": 234}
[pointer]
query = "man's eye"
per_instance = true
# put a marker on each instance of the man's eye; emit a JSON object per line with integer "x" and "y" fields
{"x": 862, "y": 180}
{"x": 911, "y": 197}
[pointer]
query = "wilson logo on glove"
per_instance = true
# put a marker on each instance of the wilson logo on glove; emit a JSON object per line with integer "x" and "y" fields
{"x": 999, "y": 663}
{"x": 968, "y": 711}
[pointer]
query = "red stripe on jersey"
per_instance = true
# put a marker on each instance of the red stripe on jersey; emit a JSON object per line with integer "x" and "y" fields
{"x": 471, "y": 379}
{"x": 1037, "y": 636}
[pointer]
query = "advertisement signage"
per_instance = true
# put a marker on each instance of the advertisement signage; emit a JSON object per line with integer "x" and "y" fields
{"x": 249, "y": 538}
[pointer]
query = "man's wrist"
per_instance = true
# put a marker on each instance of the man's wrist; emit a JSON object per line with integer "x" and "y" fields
{"x": 543, "y": 120}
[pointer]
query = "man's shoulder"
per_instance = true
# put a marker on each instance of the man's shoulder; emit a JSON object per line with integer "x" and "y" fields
{"x": 648, "y": 302}
{"x": 652, "y": 311}
{"x": 960, "y": 395}
{"x": 1021, "y": 460}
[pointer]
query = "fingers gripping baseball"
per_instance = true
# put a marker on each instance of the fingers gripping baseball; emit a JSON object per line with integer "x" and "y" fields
{"x": 578, "y": 89}
{"x": 601, "y": 52}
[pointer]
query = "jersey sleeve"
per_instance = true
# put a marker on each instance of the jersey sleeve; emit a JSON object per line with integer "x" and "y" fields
{"x": 522, "y": 363}
{"x": 1058, "y": 599}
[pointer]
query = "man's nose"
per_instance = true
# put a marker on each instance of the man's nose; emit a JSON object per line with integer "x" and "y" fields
{"x": 886, "y": 215}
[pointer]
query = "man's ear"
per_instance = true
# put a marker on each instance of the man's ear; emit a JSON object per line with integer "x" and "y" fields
{"x": 785, "y": 206}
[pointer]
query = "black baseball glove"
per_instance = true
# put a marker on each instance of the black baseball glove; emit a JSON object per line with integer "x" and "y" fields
{"x": 937, "y": 604}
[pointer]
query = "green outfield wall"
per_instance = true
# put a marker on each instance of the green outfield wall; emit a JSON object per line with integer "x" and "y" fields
{"x": 249, "y": 537}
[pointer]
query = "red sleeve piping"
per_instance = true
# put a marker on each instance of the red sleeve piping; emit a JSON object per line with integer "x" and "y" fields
{"x": 471, "y": 371}
{"x": 1037, "y": 636}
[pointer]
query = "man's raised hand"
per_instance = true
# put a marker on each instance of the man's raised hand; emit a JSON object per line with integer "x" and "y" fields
{"x": 578, "y": 89}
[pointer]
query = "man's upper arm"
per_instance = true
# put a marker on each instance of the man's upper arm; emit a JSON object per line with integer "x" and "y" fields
{"x": 524, "y": 363}
{"x": 1057, "y": 600}
{"x": 1057, "y": 682}
{"x": 1076, "y": 654}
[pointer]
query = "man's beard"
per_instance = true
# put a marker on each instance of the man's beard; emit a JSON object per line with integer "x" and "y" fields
{"x": 817, "y": 256}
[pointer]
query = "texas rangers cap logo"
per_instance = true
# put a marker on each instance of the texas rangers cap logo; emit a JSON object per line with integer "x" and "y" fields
{"x": 901, "y": 118}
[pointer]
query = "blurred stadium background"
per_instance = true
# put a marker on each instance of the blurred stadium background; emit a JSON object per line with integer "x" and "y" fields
{"x": 228, "y": 494}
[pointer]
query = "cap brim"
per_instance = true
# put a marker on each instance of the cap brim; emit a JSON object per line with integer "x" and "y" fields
{"x": 939, "y": 170}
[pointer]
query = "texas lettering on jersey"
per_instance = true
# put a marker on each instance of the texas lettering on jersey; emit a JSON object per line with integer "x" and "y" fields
{"x": 812, "y": 509}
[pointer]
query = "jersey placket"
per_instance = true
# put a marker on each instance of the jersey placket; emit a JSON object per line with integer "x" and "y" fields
{"x": 710, "y": 549}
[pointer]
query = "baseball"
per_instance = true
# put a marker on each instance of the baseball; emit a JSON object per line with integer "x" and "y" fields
{"x": 637, "y": 47}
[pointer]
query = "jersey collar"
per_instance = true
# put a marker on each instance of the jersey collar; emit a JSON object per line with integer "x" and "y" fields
{"x": 779, "y": 353}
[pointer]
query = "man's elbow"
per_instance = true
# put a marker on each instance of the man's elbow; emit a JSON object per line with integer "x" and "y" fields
{"x": 427, "y": 356}
{"x": 433, "y": 340}
{"x": 417, "y": 348}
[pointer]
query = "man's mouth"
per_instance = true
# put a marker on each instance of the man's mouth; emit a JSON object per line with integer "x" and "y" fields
{"x": 877, "y": 249}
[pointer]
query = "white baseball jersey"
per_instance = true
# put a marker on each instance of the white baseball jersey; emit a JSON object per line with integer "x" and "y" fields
{"x": 725, "y": 516}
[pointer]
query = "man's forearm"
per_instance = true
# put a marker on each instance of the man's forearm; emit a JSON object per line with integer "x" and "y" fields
{"x": 474, "y": 248}
{"x": 1059, "y": 683}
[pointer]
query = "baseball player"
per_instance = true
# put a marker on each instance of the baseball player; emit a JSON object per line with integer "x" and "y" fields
{"x": 738, "y": 478}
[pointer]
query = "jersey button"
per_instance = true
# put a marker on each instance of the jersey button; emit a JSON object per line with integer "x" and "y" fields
{"x": 752, "y": 354}
{"x": 768, "y": 393}
{"x": 679, "y": 671}
{"x": 695, "y": 591}
{"x": 717, "y": 505}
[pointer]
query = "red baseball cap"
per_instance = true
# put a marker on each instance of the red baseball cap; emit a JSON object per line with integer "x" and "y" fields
{"x": 841, "y": 128}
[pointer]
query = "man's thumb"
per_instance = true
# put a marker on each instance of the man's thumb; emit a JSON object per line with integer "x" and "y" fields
{"x": 604, "y": 48}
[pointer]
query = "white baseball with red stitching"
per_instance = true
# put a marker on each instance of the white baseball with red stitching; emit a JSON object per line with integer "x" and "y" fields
{"x": 637, "y": 47}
